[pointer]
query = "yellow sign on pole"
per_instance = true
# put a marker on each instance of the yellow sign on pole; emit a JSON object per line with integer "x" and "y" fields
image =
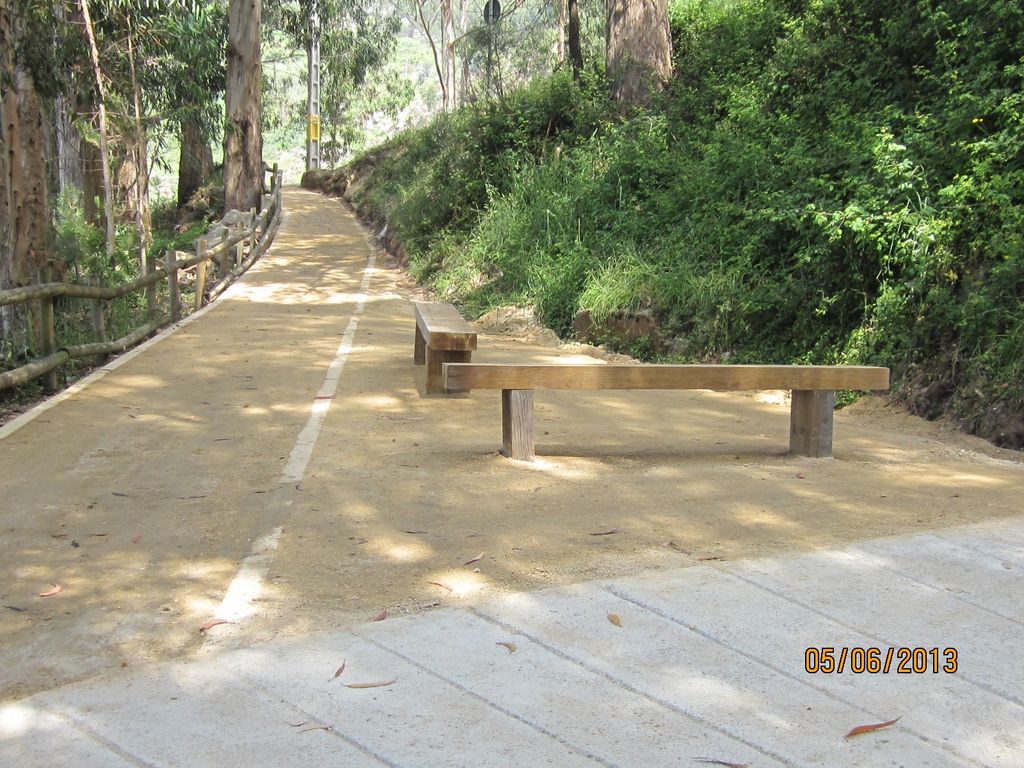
{"x": 313, "y": 128}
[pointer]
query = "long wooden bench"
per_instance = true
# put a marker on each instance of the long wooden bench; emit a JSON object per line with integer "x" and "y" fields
{"x": 442, "y": 336}
{"x": 813, "y": 388}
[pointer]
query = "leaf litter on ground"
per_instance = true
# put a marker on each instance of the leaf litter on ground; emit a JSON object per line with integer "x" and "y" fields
{"x": 371, "y": 685}
{"x": 614, "y": 619}
{"x": 214, "y": 623}
{"x": 340, "y": 670}
{"x": 861, "y": 729}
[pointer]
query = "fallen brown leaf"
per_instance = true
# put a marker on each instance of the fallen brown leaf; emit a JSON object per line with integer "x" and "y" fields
{"x": 381, "y": 616}
{"x": 869, "y": 728}
{"x": 677, "y": 548}
{"x": 340, "y": 670}
{"x": 415, "y": 533}
{"x": 512, "y": 648}
{"x": 214, "y": 623}
{"x": 439, "y": 584}
{"x": 476, "y": 559}
{"x": 614, "y": 619}
{"x": 371, "y": 685}
{"x": 51, "y": 592}
{"x": 708, "y": 558}
{"x": 726, "y": 764}
{"x": 609, "y": 532}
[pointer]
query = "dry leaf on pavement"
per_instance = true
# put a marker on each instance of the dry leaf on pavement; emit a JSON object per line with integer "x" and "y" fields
{"x": 869, "y": 728}
{"x": 340, "y": 670}
{"x": 370, "y": 685}
{"x": 614, "y": 619}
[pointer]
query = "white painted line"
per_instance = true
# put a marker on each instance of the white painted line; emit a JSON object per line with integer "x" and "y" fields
{"x": 247, "y": 585}
{"x": 248, "y": 582}
{"x": 298, "y": 460}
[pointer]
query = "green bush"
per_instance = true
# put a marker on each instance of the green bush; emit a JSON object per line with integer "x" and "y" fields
{"x": 823, "y": 181}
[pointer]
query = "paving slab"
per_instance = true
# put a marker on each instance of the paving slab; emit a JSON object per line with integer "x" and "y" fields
{"x": 700, "y": 664}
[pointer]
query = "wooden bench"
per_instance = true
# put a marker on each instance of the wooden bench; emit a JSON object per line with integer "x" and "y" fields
{"x": 813, "y": 388}
{"x": 442, "y": 336}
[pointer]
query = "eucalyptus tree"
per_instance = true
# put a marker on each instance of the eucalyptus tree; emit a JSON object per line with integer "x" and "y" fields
{"x": 639, "y": 52}
{"x": 243, "y": 132}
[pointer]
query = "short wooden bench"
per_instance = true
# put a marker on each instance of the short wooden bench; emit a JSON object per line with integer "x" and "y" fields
{"x": 442, "y": 336}
{"x": 813, "y": 388}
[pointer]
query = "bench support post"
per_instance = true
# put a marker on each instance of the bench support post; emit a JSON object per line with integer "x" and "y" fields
{"x": 419, "y": 354}
{"x": 517, "y": 423}
{"x": 810, "y": 422}
{"x": 436, "y": 358}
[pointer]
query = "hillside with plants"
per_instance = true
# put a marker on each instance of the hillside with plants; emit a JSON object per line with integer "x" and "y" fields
{"x": 822, "y": 181}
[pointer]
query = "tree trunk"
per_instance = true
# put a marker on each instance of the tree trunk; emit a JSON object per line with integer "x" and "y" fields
{"x": 70, "y": 177}
{"x": 25, "y": 225}
{"x": 448, "y": 53}
{"x": 195, "y": 162}
{"x": 639, "y": 49}
{"x": 561, "y": 21}
{"x": 243, "y": 138}
{"x": 94, "y": 56}
{"x": 143, "y": 218}
{"x": 573, "y": 39}
{"x": 425, "y": 26}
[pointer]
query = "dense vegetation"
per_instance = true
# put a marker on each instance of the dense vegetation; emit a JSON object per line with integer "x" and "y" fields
{"x": 824, "y": 181}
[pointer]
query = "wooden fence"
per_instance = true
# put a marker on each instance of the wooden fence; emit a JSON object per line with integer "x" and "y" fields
{"x": 230, "y": 247}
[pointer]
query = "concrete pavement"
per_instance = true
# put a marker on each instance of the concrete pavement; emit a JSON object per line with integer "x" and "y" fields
{"x": 708, "y": 664}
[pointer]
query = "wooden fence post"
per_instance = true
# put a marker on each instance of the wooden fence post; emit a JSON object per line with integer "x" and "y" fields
{"x": 48, "y": 334}
{"x": 273, "y": 179}
{"x": 99, "y": 321}
{"x": 223, "y": 256}
{"x": 201, "y": 248}
{"x": 252, "y": 230}
{"x": 150, "y": 289}
{"x": 173, "y": 299}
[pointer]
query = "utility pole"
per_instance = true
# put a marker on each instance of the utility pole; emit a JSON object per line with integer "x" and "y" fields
{"x": 313, "y": 91}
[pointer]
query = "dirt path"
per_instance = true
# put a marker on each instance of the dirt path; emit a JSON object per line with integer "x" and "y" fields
{"x": 143, "y": 493}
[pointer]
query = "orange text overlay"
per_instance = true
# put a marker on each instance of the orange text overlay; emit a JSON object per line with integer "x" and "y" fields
{"x": 873, "y": 661}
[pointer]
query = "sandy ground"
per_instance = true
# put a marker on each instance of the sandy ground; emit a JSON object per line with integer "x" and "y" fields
{"x": 141, "y": 494}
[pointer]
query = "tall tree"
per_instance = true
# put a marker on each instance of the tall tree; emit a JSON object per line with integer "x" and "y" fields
{"x": 572, "y": 32}
{"x": 639, "y": 49}
{"x": 448, "y": 54}
{"x": 94, "y": 57}
{"x": 243, "y": 138}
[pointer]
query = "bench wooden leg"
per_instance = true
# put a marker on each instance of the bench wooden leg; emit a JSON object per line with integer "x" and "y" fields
{"x": 517, "y": 423}
{"x": 810, "y": 422}
{"x": 419, "y": 350}
{"x": 436, "y": 358}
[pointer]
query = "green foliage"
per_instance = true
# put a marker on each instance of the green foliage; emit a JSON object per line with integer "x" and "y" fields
{"x": 824, "y": 181}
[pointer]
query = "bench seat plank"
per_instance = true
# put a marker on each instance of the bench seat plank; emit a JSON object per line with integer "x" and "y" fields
{"x": 442, "y": 336}
{"x": 717, "y": 377}
{"x": 813, "y": 388}
{"x": 442, "y": 327}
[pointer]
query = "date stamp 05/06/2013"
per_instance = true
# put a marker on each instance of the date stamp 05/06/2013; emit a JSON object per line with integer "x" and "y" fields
{"x": 860, "y": 660}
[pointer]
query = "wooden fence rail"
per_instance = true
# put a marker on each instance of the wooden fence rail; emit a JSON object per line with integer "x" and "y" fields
{"x": 232, "y": 246}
